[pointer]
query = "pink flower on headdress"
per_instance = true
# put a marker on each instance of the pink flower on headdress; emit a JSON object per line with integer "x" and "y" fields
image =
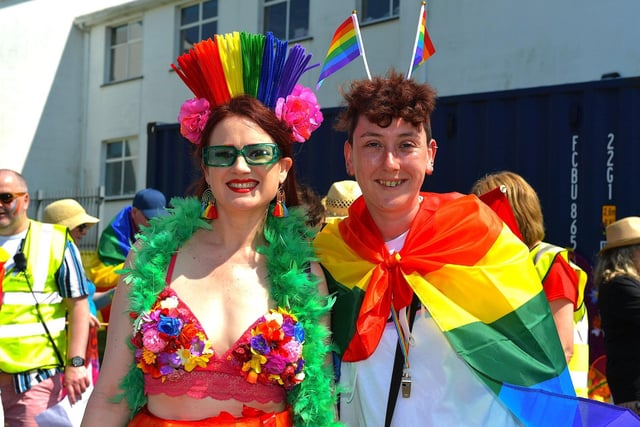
{"x": 300, "y": 111}
{"x": 193, "y": 117}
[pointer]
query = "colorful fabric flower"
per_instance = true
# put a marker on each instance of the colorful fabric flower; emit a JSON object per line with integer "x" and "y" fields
{"x": 193, "y": 116}
{"x": 301, "y": 111}
{"x": 274, "y": 352}
{"x": 167, "y": 341}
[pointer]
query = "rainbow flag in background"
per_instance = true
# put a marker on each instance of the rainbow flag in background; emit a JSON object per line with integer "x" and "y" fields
{"x": 425, "y": 48}
{"x": 344, "y": 48}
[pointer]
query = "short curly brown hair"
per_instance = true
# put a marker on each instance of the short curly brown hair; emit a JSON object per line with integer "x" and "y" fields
{"x": 383, "y": 99}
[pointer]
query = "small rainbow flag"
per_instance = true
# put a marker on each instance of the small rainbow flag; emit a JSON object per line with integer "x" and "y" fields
{"x": 343, "y": 49}
{"x": 424, "y": 46}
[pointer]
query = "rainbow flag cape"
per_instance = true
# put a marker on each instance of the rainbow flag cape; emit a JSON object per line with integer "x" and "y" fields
{"x": 344, "y": 48}
{"x": 114, "y": 245}
{"x": 117, "y": 238}
{"x": 424, "y": 46}
{"x": 480, "y": 287}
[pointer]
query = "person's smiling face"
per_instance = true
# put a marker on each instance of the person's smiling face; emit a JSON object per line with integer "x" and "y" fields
{"x": 243, "y": 186}
{"x": 389, "y": 163}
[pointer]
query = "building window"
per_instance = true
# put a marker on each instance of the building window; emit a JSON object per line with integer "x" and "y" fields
{"x": 120, "y": 173}
{"x": 374, "y": 10}
{"x": 197, "y": 22}
{"x": 125, "y": 51}
{"x": 287, "y": 19}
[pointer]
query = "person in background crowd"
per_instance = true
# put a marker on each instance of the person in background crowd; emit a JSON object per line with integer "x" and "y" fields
{"x": 313, "y": 205}
{"x": 617, "y": 276}
{"x": 563, "y": 281}
{"x": 340, "y": 196}
{"x": 42, "y": 286}
{"x": 116, "y": 240}
{"x": 71, "y": 214}
{"x": 221, "y": 316}
{"x": 440, "y": 317}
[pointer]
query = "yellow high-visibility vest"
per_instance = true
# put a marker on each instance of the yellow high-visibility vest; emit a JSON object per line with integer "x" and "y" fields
{"x": 542, "y": 256}
{"x": 24, "y": 342}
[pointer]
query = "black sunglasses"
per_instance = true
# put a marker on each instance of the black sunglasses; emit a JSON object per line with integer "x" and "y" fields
{"x": 7, "y": 198}
{"x": 82, "y": 227}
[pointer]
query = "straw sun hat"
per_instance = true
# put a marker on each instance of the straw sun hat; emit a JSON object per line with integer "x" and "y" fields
{"x": 340, "y": 196}
{"x": 624, "y": 232}
{"x": 67, "y": 212}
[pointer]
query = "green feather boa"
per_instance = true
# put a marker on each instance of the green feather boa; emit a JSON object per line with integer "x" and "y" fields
{"x": 288, "y": 254}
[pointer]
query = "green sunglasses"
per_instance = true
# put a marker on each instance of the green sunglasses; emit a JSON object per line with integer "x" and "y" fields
{"x": 220, "y": 156}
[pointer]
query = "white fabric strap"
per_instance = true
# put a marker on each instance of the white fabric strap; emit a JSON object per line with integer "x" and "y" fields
{"x": 27, "y": 298}
{"x": 40, "y": 266}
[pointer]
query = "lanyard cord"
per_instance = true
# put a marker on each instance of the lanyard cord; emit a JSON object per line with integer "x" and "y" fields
{"x": 404, "y": 341}
{"x": 396, "y": 371}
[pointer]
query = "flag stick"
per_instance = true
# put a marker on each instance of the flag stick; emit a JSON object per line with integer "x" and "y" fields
{"x": 354, "y": 16}
{"x": 415, "y": 44}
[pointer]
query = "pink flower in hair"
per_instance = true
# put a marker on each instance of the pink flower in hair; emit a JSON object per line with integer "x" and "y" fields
{"x": 301, "y": 112}
{"x": 194, "y": 114}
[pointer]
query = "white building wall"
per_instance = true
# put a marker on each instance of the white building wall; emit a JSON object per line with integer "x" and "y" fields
{"x": 41, "y": 87}
{"x": 56, "y": 111}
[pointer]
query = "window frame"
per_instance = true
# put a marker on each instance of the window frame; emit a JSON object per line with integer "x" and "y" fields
{"x": 126, "y": 161}
{"x": 199, "y": 23}
{"x": 390, "y": 16}
{"x": 129, "y": 44}
{"x": 270, "y": 3}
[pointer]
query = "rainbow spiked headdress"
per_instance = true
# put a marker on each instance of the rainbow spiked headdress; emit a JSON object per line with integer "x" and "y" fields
{"x": 219, "y": 69}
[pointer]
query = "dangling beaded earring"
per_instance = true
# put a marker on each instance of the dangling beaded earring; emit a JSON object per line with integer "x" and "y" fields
{"x": 209, "y": 210}
{"x": 280, "y": 209}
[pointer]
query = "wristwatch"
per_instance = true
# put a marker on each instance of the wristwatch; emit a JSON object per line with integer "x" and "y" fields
{"x": 75, "y": 362}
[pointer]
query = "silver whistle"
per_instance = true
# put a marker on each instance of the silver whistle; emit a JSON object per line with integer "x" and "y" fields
{"x": 406, "y": 384}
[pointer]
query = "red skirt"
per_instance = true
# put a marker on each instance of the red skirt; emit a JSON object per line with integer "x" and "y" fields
{"x": 251, "y": 418}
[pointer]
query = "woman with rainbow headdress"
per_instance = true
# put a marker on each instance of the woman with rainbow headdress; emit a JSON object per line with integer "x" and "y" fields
{"x": 221, "y": 316}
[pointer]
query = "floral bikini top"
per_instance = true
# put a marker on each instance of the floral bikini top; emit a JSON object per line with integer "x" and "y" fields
{"x": 177, "y": 358}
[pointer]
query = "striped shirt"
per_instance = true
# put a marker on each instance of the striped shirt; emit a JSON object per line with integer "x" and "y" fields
{"x": 72, "y": 283}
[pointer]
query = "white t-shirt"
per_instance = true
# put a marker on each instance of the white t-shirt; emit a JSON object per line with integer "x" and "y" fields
{"x": 11, "y": 244}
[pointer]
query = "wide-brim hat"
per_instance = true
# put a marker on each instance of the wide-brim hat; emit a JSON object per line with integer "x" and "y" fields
{"x": 340, "y": 196}
{"x": 69, "y": 213}
{"x": 624, "y": 232}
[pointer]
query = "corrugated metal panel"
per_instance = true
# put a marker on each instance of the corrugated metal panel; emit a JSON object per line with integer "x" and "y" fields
{"x": 576, "y": 144}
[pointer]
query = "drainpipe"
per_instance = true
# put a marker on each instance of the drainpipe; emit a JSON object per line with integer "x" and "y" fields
{"x": 82, "y": 167}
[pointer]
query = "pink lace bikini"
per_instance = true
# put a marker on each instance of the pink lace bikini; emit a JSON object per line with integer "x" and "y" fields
{"x": 176, "y": 357}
